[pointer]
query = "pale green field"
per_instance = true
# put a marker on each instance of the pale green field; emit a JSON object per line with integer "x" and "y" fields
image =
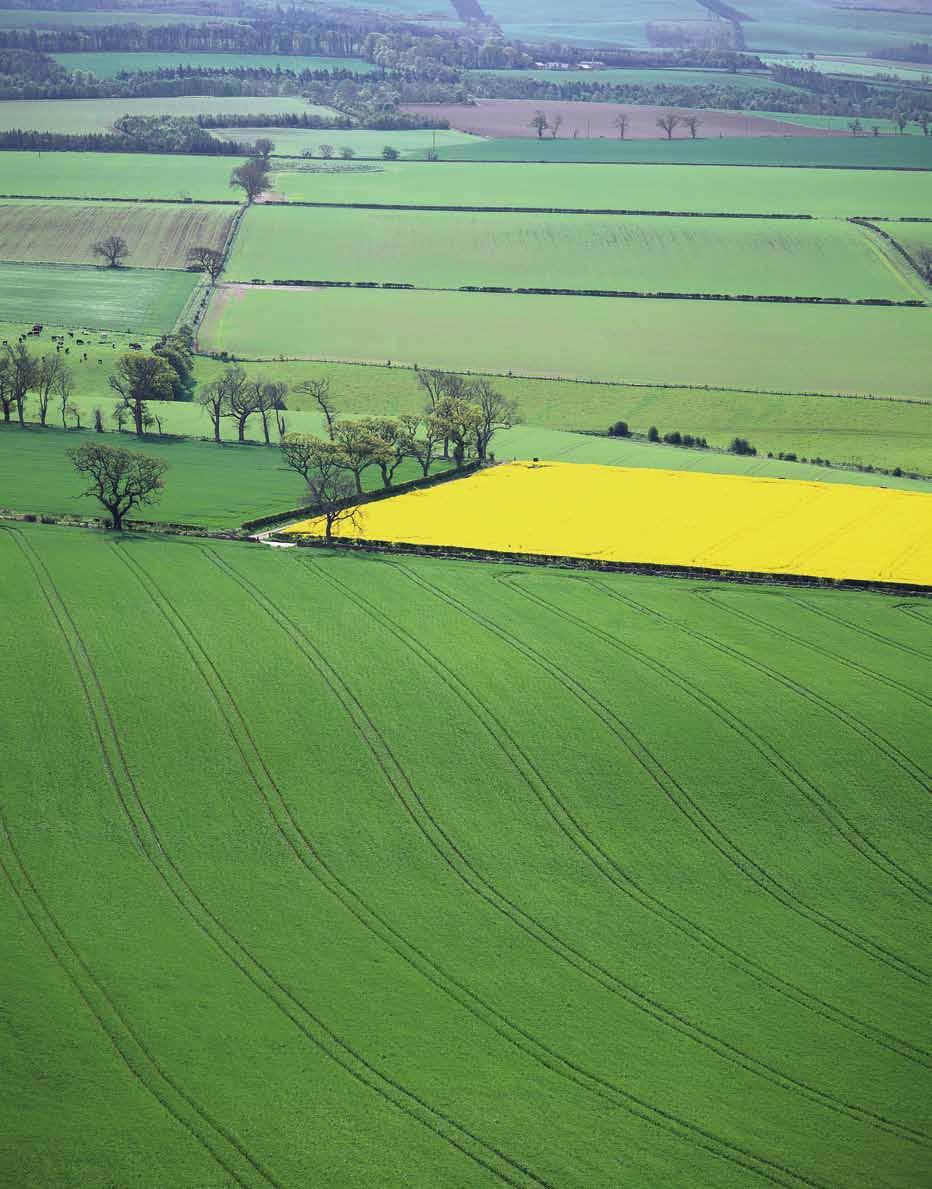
{"x": 722, "y": 344}
{"x": 117, "y": 175}
{"x": 449, "y": 250}
{"x": 23, "y": 17}
{"x": 109, "y": 65}
{"x": 862, "y": 67}
{"x": 826, "y": 192}
{"x": 365, "y": 142}
{"x": 99, "y": 115}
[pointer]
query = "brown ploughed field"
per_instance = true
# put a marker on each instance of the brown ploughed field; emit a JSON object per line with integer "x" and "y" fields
{"x": 512, "y": 117}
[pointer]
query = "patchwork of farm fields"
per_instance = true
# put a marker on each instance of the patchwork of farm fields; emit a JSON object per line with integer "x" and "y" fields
{"x": 690, "y": 188}
{"x": 142, "y": 300}
{"x": 159, "y": 236}
{"x": 99, "y": 115}
{"x": 211, "y": 877}
{"x": 133, "y": 176}
{"x": 785, "y": 348}
{"x": 805, "y": 258}
{"x": 725, "y": 522}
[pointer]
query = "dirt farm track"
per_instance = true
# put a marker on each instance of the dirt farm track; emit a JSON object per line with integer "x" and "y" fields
{"x": 512, "y": 117}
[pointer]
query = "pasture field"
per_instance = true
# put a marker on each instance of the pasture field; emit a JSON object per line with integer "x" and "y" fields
{"x": 227, "y": 872}
{"x": 439, "y": 249}
{"x": 17, "y": 18}
{"x": 594, "y": 22}
{"x": 840, "y": 123}
{"x": 209, "y": 485}
{"x": 159, "y": 236}
{"x": 109, "y": 65}
{"x": 781, "y": 348}
{"x": 729, "y": 522}
{"x": 837, "y": 152}
{"x": 132, "y": 176}
{"x": 869, "y": 432}
{"x": 811, "y": 26}
{"x": 824, "y": 192}
{"x": 860, "y": 67}
{"x": 99, "y": 115}
{"x": 621, "y": 76}
{"x": 144, "y": 300}
{"x": 365, "y": 142}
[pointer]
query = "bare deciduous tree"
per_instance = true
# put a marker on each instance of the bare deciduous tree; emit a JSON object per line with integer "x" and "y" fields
{"x": 668, "y": 123}
{"x": 120, "y": 479}
{"x": 496, "y": 412}
{"x": 50, "y": 371}
{"x": 22, "y": 373}
{"x": 319, "y": 392}
{"x": 214, "y": 398}
{"x": 114, "y": 249}
{"x": 140, "y": 378}
{"x": 209, "y": 260}
{"x": 330, "y": 491}
{"x": 252, "y": 177}
{"x": 539, "y": 122}
{"x": 263, "y": 148}
{"x": 555, "y": 125}
{"x": 693, "y": 123}
{"x": 621, "y": 122}
{"x": 240, "y": 406}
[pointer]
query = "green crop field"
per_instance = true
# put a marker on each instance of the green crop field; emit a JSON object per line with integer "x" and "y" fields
{"x": 518, "y": 812}
{"x": 117, "y": 175}
{"x": 159, "y": 236}
{"x": 839, "y": 152}
{"x": 99, "y": 115}
{"x": 644, "y": 77}
{"x": 811, "y": 26}
{"x": 730, "y": 344}
{"x": 365, "y": 142}
{"x": 109, "y": 65}
{"x": 42, "y": 18}
{"x": 838, "y": 64}
{"x": 144, "y": 300}
{"x": 209, "y": 485}
{"x": 450, "y": 250}
{"x": 612, "y": 187}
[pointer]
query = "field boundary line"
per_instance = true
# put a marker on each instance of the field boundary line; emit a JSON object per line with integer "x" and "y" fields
{"x": 456, "y": 860}
{"x": 863, "y": 631}
{"x": 806, "y": 999}
{"x": 533, "y": 210}
{"x": 648, "y": 1004}
{"x": 260, "y": 976}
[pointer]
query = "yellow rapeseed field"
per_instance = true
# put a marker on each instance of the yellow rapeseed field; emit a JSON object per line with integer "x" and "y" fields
{"x": 624, "y": 514}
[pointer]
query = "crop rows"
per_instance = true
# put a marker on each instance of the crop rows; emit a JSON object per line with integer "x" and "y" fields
{"x": 297, "y": 885}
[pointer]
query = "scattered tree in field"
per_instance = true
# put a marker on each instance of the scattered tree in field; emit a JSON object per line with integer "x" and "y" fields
{"x": 438, "y": 384}
{"x": 741, "y": 446}
{"x": 619, "y": 430}
{"x": 360, "y": 447}
{"x": 693, "y": 123}
{"x": 22, "y": 370}
{"x": 330, "y": 491}
{"x": 495, "y": 412}
{"x": 319, "y": 392}
{"x": 426, "y": 440}
{"x": 99, "y": 420}
{"x": 206, "y": 259}
{"x": 457, "y": 421}
{"x": 539, "y": 122}
{"x": 176, "y": 350}
{"x": 63, "y": 389}
{"x": 668, "y": 123}
{"x": 653, "y": 434}
{"x": 347, "y": 152}
{"x": 215, "y": 397}
{"x": 120, "y": 479}
{"x": 50, "y": 368}
{"x": 392, "y": 442}
{"x": 140, "y": 378}
{"x": 925, "y": 123}
{"x": 326, "y": 151}
{"x": 390, "y": 154}
{"x": 114, "y": 249}
{"x": 263, "y": 148}
{"x": 252, "y": 177}
{"x": 901, "y": 120}
{"x": 74, "y": 413}
{"x": 621, "y": 122}
{"x": 300, "y": 451}
{"x": 240, "y": 406}
{"x": 855, "y": 127}
{"x": 6, "y": 398}
{"x": 555, "y": 126}
{"x": 268, "y": 396}
{"x": 120, "y": 414}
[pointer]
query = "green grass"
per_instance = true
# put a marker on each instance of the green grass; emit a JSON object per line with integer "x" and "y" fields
{"x": 159, "y": 236}
{"x": 99, "y": 115}
{"x": 447, "y": 250}
{"x": 109, "y": 65}
{"x": 849, "y": 66}
{"x": 863, "y": 152}
{"x": 49, "y": 18}
{"x": 869, "y": 432}
{"x": 809, "y": 26}
{"x": 294, "y": 142}
{"x": 144, "y": 300}
{"x": 254, "y": 792}
{"x": 721, "y": 344}
{"x": 645, "y": 77}
{"x": 840, "y": 123}
{"x": 131, "y": 176}
{"x": 610, "y": 187}
{"x": 206, "y": 484}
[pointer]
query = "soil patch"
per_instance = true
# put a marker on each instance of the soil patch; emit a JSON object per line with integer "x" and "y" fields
{"x": 512, "y": 117}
